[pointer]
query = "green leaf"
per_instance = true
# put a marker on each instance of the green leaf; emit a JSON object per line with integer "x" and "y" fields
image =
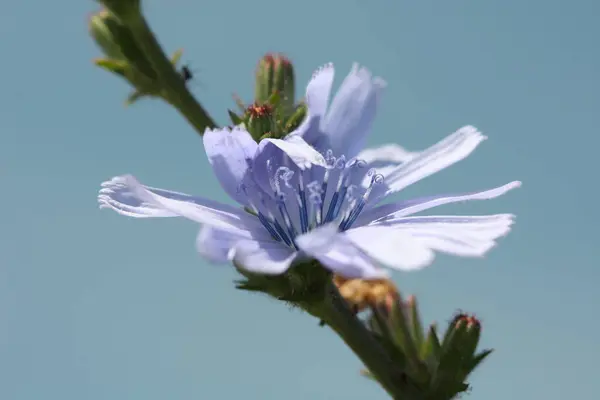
{"x": 127, "y": 45}
{"x": 235, "y": 119}
{"x": 176, "y": 57}
{"x": 133, "y": 97}
{"x": 416, "y": 327}
{"x": 431, "y": 348}
{"x": 401, "y": 333}
{"x": 115, "y": 66}
{"x": 478, "y": 359}
{"x": 368, "y": 375}
{"x": 296, "y": 118}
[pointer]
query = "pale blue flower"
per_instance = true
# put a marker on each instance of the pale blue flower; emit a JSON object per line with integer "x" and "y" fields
{"x": 314, "y": 194}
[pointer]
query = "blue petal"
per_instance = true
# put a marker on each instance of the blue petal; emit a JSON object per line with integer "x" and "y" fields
{"x": 318, "y": 92}
{"x": 392, "y": 247}
{"x": 264, "y": 257}
{"x": 385, "y": 159}
{"x": 338, "y": 254}
{"x": 230, "y": 153}
{"x": 452, "y": 149}
{"x": 352, "y": 112}
{"x": 466, "y": 236}
{"x": 389, "y": 212}
{"x": 215, "y": 245}
{"x": 297, "y": 149}
{"x": 126, "y": 196}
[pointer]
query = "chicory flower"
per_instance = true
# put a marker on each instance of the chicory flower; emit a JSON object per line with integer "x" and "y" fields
{"x": 314, "y": 194}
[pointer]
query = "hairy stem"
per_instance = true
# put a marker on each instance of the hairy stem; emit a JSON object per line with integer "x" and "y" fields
{"x": 335, "y": 312}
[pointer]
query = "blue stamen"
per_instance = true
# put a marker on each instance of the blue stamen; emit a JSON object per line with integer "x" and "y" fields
{"x": 286, "y": 218}
{"x": 267, "y": 225}
{"x": 344, "y": 204}
{"x": 302, "y": 205}
{"x": 281, "y": 232}
{"x": 351, "y": 218}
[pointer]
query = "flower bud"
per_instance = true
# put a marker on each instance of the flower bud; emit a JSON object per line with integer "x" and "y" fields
{"x": 117, "y": 42}
{"x": 472, "y": 333}
{"x": 275, "y": 73}
{"x": 101, "y": 27}
{"x": 260, "y": 120}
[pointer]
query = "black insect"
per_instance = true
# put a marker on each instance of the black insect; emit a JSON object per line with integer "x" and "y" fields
{"x": 186, "y": 73}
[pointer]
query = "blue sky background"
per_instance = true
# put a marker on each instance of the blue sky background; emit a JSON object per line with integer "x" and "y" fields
{"x": 97, "y": 306}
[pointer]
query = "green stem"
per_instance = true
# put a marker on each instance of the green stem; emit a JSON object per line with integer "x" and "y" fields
{"x": 335, "y": 312}
{"x": 175, "y": 90}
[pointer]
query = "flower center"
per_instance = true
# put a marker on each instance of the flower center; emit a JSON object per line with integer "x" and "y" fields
{"x": 302, "y": 200}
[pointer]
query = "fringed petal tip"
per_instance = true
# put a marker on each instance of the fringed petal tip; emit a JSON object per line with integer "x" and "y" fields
{"x": 226, "y": 129}
{"x": 325, "y": 68}
{"x": 365, "y": 74}
{"x": 118, "y": 194}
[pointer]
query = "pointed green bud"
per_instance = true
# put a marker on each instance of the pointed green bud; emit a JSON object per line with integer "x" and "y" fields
{"x": 259, "y": 120}
{"x": 456, "y": 353}
{"x": 275, "y": 73}
{"x": 472, "y": 336}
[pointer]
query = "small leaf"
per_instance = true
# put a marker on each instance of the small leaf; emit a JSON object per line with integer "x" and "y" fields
{"x": 123, "y": 38}
{"x": 431, "y": 348}
{"x": 478, "y": 359}
{"x": 176, "y": 56}
{"x": 115, "y": 66}
{"x": 235, "y": 119}
{"x": 368, "y": 375}
{"x": 133, "y": 97}
{"x": 296, "y": 118}
{"x": 401, "y": 333}
{"x": 416, "y": 327}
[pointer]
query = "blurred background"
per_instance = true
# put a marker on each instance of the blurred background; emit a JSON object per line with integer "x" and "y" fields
{"x": 94, "y": 305}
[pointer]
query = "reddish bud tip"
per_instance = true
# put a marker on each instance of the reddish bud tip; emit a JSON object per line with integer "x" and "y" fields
{"x": 257, "y": 111}
{"x": 469, "y": 319}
